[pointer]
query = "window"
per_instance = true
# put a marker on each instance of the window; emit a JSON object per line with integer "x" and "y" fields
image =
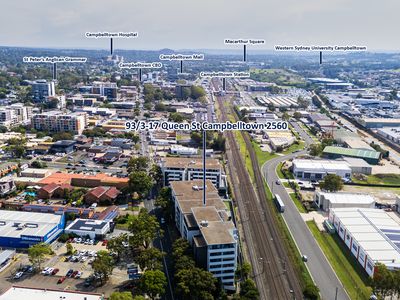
{"x": 215, "y": 260}
{"x": 227, "y": 277}
{"x": 355, "y": 247}
{"x": 215, "y": 266}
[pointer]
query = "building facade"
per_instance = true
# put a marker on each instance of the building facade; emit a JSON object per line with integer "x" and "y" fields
{"x": 56, "y": 121}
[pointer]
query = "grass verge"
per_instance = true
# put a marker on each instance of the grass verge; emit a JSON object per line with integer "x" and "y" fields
{"x": 298, "y": 203}
{"x": 350, "y": 273}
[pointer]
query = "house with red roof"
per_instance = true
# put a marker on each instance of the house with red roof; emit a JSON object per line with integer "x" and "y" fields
{"x": 102, "y": 195}
{"x": 53, "y": 190}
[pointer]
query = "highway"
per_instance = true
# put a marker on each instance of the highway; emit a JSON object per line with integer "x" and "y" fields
{"x": 321, "y": 271}
{"x": 273, "y": 273}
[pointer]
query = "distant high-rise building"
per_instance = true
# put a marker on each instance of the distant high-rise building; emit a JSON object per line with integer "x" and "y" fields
{"x": 41, "y": 89}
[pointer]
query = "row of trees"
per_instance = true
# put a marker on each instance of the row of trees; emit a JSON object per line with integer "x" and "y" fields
{"x": 143, "y": 229}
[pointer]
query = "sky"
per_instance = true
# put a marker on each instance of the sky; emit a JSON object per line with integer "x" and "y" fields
{"x": 200, "y": 24}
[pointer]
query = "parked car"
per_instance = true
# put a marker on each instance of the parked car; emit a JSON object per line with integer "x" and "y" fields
{"x": 78, "y": 275}
{"x": 61, "y": 280}
{"x": 18, "y": 275}
{"x": 74, "y": 274}
{"x": 49, "y": 271}
{"x": 55, "y": 271}
{"x": 45, "y": 270}
{"x": 69, "y": 273}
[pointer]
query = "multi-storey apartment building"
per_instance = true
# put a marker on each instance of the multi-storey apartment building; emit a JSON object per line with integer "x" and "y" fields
{"x": 41, "y": 89}
{"x": 208, "y": 227}
{"x": 56, "y": 121}
{"x": 182, "y": 169}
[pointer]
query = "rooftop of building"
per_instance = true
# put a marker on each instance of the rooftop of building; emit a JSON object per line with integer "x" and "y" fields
{"x": 32, "y": 224}
{"x": 17, "y": 293}
{"x": 348, "y": 197}
{"x": 352, "y": 152}
{"x": 66, "y": 178}
{"x": 216, "y": 233}
{"x": 377, "y": 232}
{"x": 321, "y": 164}
{"x": 87, "y": 225}
{"x": 184, "y": 162}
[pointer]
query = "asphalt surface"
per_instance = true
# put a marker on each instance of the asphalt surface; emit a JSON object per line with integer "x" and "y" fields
{"x": 321, "y": 271}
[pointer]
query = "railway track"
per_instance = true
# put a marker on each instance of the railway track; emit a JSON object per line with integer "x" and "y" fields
{"x": 273, "y": 272}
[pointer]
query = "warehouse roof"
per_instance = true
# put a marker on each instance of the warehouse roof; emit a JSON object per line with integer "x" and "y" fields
{"x": 17, "y": 223}
{"x": 374, "y": 230}
{"x": 352, "y": 152}
{"x": 348, "y": 197}
{"x": 321, "y": 164}
{"x": 16, "y": 293}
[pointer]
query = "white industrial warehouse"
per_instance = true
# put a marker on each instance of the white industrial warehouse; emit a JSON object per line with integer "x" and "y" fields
{"x": 372, "y": 235}
{"x": 327, "y": 201}
{"x": 312, "y": 169}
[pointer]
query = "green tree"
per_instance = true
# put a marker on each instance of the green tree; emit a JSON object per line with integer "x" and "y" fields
{"x": 103, "y": 264}
{"x": 244, "y": 270}
{"x": 139, "y": 297}
{"x": 116, "y": 245}
{"x": 195, "y": 283}
{"x": 121, "y": 296}
{"x": 140, "y": 183}
{"x": 297, "y": 115}
{"x": 197, "y": 92}
{"x": 383, "y": 281}
{"x": 59, "y": 136}
{"x": 176, "y": 117}
{"x": 144, "y": 228}
{"x": 285, "y": 116}
{"x": 163, "y": 201}
{"x": 153, "y": 283}
{"x": 316, "y": 149}
{"x": 150, "y": 259}
{"x": 302, "y": 103}
{"x": 248, "y": 290}
{"x": 37, "y": 254}
{"x": 136, "y": 164}
{"x": 156, "y": 174}
{"x": 70, "y": 249}
{"x": 271, "y": 106}
{"x": 331, "y": 183}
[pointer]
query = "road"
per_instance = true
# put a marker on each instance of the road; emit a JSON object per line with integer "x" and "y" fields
{"x": 321, "y": 271}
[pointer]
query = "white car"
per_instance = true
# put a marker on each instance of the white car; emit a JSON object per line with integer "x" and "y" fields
{"x": 78, "y": 275}
{"x": 49, "y": 271}
{"x": 18, "y": 275}
{"x": 45, "y": 270}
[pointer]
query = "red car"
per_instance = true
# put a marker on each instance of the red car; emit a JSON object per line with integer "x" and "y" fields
{"x": 61, "y": 280}
{"x": 105, "y": 242}
{"x": 55, "y": 271}
{"x": 74, "y": 274}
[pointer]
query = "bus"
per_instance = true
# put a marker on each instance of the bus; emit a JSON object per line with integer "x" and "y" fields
{"x": 279, "y": 203}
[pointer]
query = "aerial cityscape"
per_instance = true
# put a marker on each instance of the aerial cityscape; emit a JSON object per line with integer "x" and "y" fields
{"x": 141, "y": 158}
